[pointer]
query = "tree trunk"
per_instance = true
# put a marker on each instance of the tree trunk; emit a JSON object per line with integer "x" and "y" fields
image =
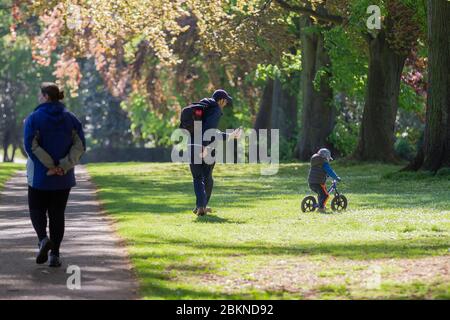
{"x": 318, "y": 111}
{"x": 376, "y": 139}
{"x": 283, "y": 111}
{"x": 6, "y": 143}
{"x": 265, "y": 109}
{"x": 435, "y": 153}
{"x": 5, "y": 155}
{"x": 13, "y": 153}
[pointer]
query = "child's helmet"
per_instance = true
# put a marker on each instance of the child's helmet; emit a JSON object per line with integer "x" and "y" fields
{"x": 325, "y": 153}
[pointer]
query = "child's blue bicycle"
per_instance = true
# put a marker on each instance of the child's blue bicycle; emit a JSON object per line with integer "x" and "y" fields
{"x": 339, "y": 202}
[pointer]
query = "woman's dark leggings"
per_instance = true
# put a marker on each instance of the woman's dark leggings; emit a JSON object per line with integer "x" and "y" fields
{"x": 54, "y": 203}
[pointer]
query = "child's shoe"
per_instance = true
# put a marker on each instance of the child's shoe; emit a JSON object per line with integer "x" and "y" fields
{"x": 322, "y": 210}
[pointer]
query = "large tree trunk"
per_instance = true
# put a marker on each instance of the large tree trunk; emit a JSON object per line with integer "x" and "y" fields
{"x": 437, "y": 127}
{"x": 318, "y": 111}
{"x": 6, "y": 143}
{"x": 435, "y": 153}
{"x": 13, "y": 153}
{"x": 10, "y": 141}
{"x": 263, "y": 118}
{"x": 265, "y": 108}
{"x": 283, "y": 111}
{"x": 8, "y": 119}
{"x": 376, "y": 139}
{"x": 278, "y": 110}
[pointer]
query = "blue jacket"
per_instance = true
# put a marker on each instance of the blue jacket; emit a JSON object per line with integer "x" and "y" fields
{"x": 54, "y": 125}
{"x": 330, "y": 172}
{"x": 212, "y": 116}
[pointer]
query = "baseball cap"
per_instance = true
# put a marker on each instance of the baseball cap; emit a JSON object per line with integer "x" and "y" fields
{"x": 325, "y": 153}
{"x": 222, "y": 94}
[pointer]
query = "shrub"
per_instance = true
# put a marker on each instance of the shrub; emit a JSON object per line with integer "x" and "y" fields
{"x": 344, "y": 137}
{"x": 404, "y": 149}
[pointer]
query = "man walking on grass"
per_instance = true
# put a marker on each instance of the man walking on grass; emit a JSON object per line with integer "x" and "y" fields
{"x": 212, "y": 111}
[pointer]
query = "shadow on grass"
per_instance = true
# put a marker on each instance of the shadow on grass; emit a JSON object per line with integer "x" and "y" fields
{"x": 156, "y": 197}
{"x": 210, "y": 218}
{"x": 407, "y": 248}
{"x": 163, "y": 278}
{"x": 162, "y": 261}
{"x": 165, "y": 195}
{"x": 160, "y": 289}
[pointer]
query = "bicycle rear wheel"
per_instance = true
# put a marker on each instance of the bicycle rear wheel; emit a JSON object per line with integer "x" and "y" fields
{"x": 309, "y": 204}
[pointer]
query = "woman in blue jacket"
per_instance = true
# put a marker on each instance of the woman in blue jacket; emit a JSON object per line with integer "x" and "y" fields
{"x": 53, "y": 129}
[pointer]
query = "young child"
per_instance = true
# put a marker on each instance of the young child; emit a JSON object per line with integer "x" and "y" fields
{"x": 318, "y": 172}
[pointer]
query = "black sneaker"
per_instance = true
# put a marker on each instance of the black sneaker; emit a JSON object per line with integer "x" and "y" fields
{"x": 44, "y": 247}
{"x": 55, "y": 262}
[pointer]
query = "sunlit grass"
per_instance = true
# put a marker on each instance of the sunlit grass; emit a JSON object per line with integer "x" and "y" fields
{"x": 257, "y": 243}
{"x": 6, "y": 171}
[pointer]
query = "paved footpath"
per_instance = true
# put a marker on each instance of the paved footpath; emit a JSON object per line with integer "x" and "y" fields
{"x": 89, "y": 243}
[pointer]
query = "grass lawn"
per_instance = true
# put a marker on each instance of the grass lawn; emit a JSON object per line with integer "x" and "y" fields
{"x": 6, "y": 171}
{"x": 393, "y": 242}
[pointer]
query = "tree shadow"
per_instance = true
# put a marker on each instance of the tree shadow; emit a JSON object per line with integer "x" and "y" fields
{"x": 247, "y": 190}
{"x": 162, "y": 272}
{"x": 371, "y": 250}
{"x": 210, "y": 218}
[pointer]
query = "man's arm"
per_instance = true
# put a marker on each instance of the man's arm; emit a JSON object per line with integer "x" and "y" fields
{"x": 212, "y": 122}
{"x": 326, "y": 166}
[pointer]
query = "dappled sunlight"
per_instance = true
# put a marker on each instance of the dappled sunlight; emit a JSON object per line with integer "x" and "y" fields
{"x": 257, "y": 222}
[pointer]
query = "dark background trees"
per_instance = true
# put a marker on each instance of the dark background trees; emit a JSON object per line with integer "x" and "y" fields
{"x": 312, "y": 69}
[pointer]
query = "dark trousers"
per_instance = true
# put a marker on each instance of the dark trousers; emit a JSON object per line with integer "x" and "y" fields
{"x": 203, "y": 182}
{"x": 322, "y": 193}
{"x": 53, "y": 203}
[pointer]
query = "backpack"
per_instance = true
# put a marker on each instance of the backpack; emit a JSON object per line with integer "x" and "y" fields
{"x": 191, "y": 113}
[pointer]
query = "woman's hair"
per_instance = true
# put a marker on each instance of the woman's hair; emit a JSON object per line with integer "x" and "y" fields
{"x": 52, "y": 91}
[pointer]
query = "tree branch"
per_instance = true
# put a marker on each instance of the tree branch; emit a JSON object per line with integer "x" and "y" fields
{"x": 322, "y": 15}
{"x": 264, "y": 7}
